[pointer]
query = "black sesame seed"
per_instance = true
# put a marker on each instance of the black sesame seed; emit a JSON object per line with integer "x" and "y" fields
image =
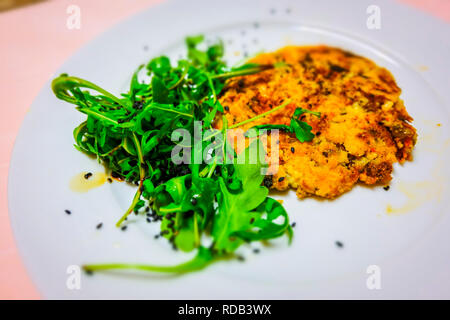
{"x": 138, "y": 105}
{"x": 99, "y": 225}
{"x": 67, "y": 211}
{"x": 281, "y": 179}
{"x": 194, "y": 201}
{"x": 110, "y": 180}
{"x": 226, "y": 108}
{"x": 339, "y": 244}
{"x": 124, "y": 228}
{"x": 149, "y": 220}
{"x": 292, "y": 149}
{"x": 386, "y": 188}
{"x": 293, "y": 224}
{"x": 318, "y": 133}
{"x": 252, "y": 220}
{"x": 240, "y": 258}
{"x": 89, "y": 272}
{"x": 156, "y": 236}
{"x": 267, "y": 181}
{"x": 88, "y": 175}
{"x": 115, "y": 175}
{"x": 256, "y": 250}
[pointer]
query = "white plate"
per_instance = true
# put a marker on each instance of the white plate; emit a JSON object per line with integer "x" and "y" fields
{"x": 410, "y": 248}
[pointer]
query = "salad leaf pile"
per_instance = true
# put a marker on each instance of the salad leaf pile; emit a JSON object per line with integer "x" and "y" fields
{"x": 132, "y": 136}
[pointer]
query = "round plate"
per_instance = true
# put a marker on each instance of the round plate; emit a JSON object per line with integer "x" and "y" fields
{"x": 393, "y": 244}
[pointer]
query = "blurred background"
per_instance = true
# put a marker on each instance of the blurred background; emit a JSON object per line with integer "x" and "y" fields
{"x": 34, "y": 42}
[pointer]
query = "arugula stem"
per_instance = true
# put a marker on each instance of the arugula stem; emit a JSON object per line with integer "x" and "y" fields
{"x": 243, "y": 72}
{"x": 213, "y": 167}
{"x": 251, "y": 119}
{"x": 62, "y": 84}
{"x": 201, "y": 260}
{"x": 204, "y": 171}
{"x": 176, "y": 84}
{"x": 170, "y": 110}
{"x": 98, "y": 115}
{"x": 262, "y": 115}
{"x": 170, "y": 210}
{"x": 196, "y": 231}
{"x": 211, "y": 85}
{"x": 138, "y": 193}
{"x": 112, "y": 150}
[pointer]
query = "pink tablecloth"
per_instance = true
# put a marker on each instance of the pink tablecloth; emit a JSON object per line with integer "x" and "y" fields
{"x": 34, "y": 42}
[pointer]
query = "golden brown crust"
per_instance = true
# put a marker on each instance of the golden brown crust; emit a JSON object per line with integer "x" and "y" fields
{"x": 364, "y": 125}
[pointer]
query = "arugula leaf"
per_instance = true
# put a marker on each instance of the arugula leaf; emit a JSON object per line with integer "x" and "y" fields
{"x": 159, "y": 66}
{"x": 160, "y": 91}
{"x": 263, "y": 222}
{"x": 301, "y": 129}
{"x": 234, "y": 208}
{"x": 198, "y": 57}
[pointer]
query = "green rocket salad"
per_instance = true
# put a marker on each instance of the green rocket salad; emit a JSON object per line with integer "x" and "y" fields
{"x": 131, "y": 136}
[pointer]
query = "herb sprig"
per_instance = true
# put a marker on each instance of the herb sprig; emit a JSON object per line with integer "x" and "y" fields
{"x": 131, "y": 135}
{"x": 301, "y": 128}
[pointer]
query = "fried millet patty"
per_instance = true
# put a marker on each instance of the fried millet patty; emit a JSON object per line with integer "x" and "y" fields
{"x": 363, "y": 129}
